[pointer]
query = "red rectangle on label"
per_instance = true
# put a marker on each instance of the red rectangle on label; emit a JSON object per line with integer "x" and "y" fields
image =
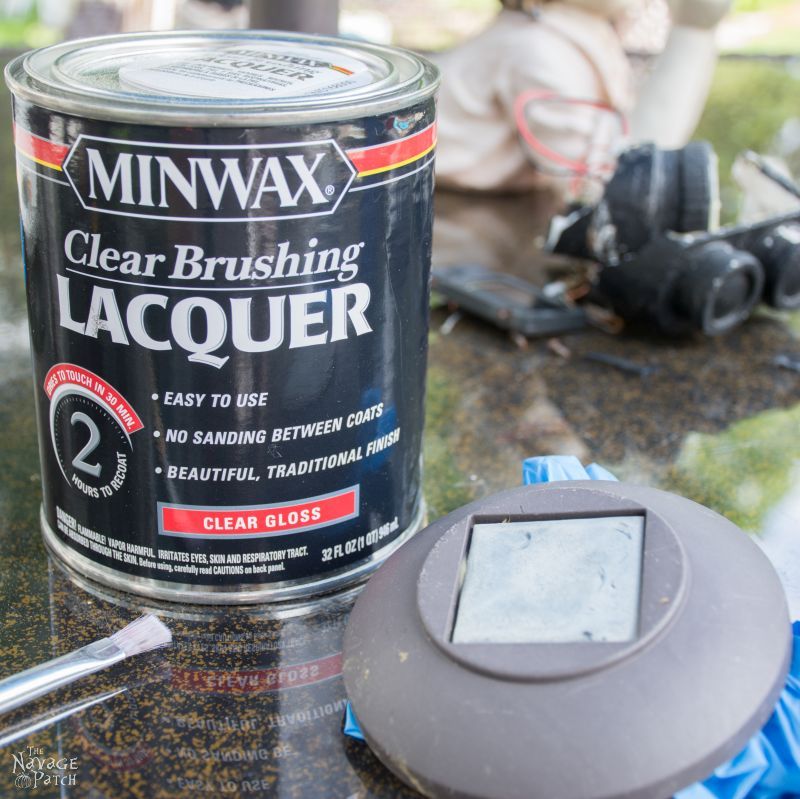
{"x": 254, "y": 520}
{"x": 238, "y": 681}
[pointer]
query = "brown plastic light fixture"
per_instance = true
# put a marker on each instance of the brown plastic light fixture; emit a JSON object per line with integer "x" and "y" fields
{"x": 578, "y": 640}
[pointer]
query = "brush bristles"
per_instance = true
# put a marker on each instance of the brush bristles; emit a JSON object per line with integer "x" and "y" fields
{"x": 142, "y": 635}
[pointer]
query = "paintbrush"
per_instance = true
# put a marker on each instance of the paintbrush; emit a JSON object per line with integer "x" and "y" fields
{"x": 142, "y": 635}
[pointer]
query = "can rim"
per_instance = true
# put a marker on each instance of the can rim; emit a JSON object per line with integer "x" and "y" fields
{"x": 55, "y": 92}
{"x": 284, "y": 610}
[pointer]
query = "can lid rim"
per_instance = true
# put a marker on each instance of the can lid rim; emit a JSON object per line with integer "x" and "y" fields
{"x": 402, "y": 79}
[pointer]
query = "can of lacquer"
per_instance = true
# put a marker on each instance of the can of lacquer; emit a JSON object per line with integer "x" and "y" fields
{"x": 227, "y": 246}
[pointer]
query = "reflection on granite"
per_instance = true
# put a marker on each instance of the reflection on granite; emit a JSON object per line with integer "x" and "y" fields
{"x": 248, "y": 702}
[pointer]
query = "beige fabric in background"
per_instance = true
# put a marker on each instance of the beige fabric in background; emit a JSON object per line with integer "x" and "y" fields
{"x": 569, "y": 48}
{"x": 566, "y": 51}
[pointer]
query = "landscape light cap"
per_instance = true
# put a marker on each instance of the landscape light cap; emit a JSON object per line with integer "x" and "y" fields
{"x": 579, "y": 640}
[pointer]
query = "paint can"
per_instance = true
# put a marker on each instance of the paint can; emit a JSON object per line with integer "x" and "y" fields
{"x": 227, "y": 245}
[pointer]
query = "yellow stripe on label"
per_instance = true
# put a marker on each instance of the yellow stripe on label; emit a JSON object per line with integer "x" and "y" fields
{"x": 39, "y": 160}
{"x": 398, "y": 164}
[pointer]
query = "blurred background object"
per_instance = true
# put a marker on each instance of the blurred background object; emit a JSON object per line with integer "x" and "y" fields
{"x": 495, "y": 136}
{"x": 752, "y": 102}
{"x": 317, "y": 16}
{"x": 206, "y": 14}
{"x": 755, "y": 27}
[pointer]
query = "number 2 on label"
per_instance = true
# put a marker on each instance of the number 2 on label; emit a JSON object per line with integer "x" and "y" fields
{"x": 79, "y": 461}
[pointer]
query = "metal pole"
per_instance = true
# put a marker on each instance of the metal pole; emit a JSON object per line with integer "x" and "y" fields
{"x": 305, "y": 16}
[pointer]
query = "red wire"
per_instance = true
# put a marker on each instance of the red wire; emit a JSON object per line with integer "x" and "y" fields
{"x": 520, "y": 106}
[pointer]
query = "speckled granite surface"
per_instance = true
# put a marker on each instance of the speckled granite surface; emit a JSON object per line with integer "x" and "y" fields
{"x": 249, "y": 702}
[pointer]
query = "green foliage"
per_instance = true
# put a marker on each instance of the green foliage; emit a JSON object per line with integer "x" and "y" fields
{"x": 782, "y": 36}
{"x": 759, "y": 5}
{"x": 445, "y": 485}
{"x": 25, "y": 31}
{"x": 742, "y": 472}
{"x": 749, "y": 102}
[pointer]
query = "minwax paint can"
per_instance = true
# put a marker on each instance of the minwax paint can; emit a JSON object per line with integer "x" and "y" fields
{"x": 227, "y": 244}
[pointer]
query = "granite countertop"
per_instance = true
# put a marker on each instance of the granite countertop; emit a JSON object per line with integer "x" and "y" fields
{"x": 249, "y": 702}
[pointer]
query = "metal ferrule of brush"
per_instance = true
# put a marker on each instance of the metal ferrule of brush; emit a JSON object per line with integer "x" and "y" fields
{"x": 39, "y": 680}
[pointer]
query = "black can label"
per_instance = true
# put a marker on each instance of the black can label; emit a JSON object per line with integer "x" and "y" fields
{"x": 229, "y": 333}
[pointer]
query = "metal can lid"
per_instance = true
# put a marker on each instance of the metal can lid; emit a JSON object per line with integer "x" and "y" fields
{"x": 221, "y": 78}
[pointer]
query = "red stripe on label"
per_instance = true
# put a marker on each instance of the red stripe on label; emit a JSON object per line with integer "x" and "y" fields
{"x": 293, "y": 517}
{"x": 70, "y": 374}
{"x": 44, "y": 152}
{"x": 235, "y": 681}
{"x": 367, "y": 160}
{"x": 382, "y": 157}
